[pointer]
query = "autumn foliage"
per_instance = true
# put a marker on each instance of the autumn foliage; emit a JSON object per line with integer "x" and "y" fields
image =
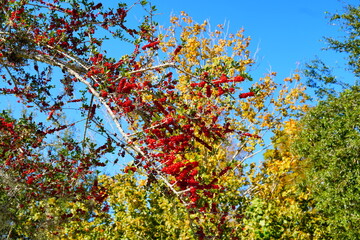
{"x": 177, "y": 104}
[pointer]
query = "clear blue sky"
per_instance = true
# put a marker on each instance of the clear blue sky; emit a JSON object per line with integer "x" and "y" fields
{"x": 287, "y": 33}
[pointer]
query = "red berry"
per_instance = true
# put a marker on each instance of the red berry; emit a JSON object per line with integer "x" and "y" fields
{"x": 103, "y": 93}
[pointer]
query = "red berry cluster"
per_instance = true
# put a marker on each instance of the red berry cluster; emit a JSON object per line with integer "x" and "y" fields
{"x": 153, "y": 45}
{"x": 216, "y": 86}
{"x": 248, "y": 94}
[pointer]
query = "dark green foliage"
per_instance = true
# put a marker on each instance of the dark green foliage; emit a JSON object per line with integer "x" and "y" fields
{"x": 321, "y": 76}
{"x": 330, "y": 146}
{"x": 350, "y": 43}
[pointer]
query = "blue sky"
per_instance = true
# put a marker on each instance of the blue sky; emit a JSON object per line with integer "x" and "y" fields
{"x": 285, "y": 33}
